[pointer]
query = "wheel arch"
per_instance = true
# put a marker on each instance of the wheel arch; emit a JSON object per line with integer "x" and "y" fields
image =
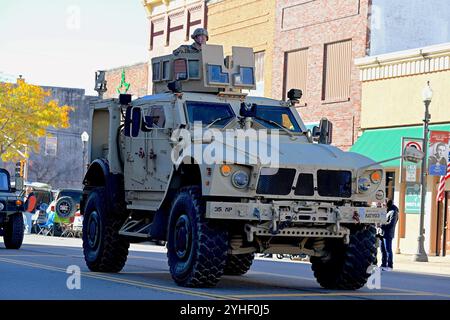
{"x": 99, "y": 175}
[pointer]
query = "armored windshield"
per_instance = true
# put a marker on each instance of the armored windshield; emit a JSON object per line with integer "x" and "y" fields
{"x": 281, "y": 115}
{"x": 4, "y": 181}
{"x": 209, "y": 113}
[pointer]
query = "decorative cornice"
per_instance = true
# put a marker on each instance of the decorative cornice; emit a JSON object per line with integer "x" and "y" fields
{"x": 405, "y": 63}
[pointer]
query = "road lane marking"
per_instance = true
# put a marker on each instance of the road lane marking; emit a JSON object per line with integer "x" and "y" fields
{"x": 326, "y": 294}
{"x": 382, "y": 287}
{"x": 102, "y": 276}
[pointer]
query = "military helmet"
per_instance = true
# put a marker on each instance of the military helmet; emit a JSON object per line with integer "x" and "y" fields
{"x": 199, "y": 32}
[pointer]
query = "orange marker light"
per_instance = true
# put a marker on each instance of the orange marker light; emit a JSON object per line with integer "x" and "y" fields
{"x": 18, "y": 203}
{"x": 375, "y": 177}
{"x": 225, "y": 170}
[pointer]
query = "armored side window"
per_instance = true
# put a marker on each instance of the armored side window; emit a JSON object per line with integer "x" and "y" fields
{"x": 180, "y": 69}
{"x": 215, "y": 75}
{"x": 166, "y": 70}
{"x": 245, "y": 77}
{"x": 158, "y": 116}
{"x": 194, "y": 69}
{"x": 156, "y": 71}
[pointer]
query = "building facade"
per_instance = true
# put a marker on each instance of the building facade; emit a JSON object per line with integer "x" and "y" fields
{"x": 246, "y": 24}
{"x": 60, "y": 158}
{"x": 136, "y": 75}
{"x": 392, "y": 109}
{"x": 171, "y": 23}
{"x": 316, "y": 43}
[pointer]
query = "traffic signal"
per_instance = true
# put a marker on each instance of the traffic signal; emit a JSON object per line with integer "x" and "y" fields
{"x": 20, "y": 168}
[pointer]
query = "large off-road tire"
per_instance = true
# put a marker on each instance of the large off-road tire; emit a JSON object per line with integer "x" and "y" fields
{"x": 13, "y": 231}
{"x": 239, "y": 264}
{"x": 104, "y": 249}
{"x": 196, "y": 248}
{"x": 345, "y": 267}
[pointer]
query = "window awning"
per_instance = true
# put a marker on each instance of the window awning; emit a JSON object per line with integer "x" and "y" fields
{"x": 381, "y": 144}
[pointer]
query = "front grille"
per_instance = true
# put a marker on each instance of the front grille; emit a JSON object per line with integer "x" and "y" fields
{"x": 305, "y": 185}
{"x": 279, "y": 183}
{"x": 334, "y": 183}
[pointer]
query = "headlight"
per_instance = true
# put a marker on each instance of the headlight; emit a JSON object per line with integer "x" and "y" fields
{"x": 240, "y": 179}
{"x": 363, "y": 184}
{"x": 1, "y": 206}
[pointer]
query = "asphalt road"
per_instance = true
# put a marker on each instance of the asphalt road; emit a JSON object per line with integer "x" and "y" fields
{"x": 39, "y": 271}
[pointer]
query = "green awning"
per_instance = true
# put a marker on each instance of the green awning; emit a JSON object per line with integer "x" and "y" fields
{"x": 381, "y": 144}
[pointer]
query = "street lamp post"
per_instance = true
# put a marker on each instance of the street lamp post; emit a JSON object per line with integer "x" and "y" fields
{"x": 427, "y": 95}
{"x": 84, "y": 139}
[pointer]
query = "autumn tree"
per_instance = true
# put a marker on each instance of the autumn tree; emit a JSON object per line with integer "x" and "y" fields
{"x": 25, "y": 114}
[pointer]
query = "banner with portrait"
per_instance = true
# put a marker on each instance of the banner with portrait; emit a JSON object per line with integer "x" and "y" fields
{"x": 438, "y": 153}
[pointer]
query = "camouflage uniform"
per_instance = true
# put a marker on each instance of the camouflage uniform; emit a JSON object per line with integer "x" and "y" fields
{"x": 193, "y": 48}
{"x": 186, "y": 49}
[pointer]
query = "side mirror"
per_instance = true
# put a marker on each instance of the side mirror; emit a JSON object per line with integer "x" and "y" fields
{"x": 147, "y": 123}
{"x": 135, "y": 122}
{"x": 127, "y": 127}
{"x": 315, "y": 131}
{"x": 325, "y": 131}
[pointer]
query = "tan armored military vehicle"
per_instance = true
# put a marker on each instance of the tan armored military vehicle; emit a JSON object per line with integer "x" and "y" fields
{"x": 179, "y": 166}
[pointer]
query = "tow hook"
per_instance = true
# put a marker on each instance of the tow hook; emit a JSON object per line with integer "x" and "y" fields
{"x": 275, "y": 216}
{"x": 337, "y": 226}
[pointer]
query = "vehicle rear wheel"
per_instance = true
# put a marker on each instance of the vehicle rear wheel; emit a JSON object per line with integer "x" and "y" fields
{"x": 239, "y": 264}
{"x": 196, "y": 248}
{"x": 345, "y": 267}
{"x": 13, "y": 231}
{"x": 104, "y": 249}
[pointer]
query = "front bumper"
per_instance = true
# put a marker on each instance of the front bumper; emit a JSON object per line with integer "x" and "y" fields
{"x": 295, "y": 212}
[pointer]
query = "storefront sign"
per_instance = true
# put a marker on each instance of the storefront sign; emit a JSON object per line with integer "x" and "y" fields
{"x": 438, "y": 153}
{"x": 412, "y": 198}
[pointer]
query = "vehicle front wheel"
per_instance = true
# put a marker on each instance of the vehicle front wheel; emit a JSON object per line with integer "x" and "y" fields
{"x": 104, "y": 249}
{"x": 346, "y": 266}
{"x": 196, "y": 248}
{"x": 13, "y": 231}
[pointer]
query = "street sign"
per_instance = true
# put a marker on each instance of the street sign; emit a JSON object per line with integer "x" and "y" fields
{"x": 408, "y": 142}
{"x": 411, "y": 173}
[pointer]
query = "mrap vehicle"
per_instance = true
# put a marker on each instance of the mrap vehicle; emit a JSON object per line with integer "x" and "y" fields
{"x": 144, "y": 183}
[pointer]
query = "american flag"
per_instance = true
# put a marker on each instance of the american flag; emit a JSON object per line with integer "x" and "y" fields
{"x": 441, "y": 188}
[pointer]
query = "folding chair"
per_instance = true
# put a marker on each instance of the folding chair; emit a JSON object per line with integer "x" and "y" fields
{"x": 48, "y": 227}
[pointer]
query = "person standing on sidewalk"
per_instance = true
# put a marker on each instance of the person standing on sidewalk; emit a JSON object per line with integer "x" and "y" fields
{"x": 387, "y": 234}
{"x": 29, "y": 207}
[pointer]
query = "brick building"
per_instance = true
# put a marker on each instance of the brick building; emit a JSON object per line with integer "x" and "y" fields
{"x": 136, "y": 75}
{"x": 316, "y": 44}
{"x": 247, "y": 24}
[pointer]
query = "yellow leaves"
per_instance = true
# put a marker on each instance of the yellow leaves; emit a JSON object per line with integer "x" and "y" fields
{"x": 25, "y": 114}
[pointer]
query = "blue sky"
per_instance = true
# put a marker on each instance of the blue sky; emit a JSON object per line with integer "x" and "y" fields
{"x": 63, "y": 42}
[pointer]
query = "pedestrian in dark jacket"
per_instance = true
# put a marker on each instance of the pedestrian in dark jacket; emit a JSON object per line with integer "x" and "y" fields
{"x": 387, "y": 234}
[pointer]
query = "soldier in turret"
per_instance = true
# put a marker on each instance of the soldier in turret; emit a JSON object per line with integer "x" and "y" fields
{"x": 200, "y": 36}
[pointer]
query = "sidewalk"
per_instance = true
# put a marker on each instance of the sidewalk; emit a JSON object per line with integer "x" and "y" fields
{"x": 435, "y": 265}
